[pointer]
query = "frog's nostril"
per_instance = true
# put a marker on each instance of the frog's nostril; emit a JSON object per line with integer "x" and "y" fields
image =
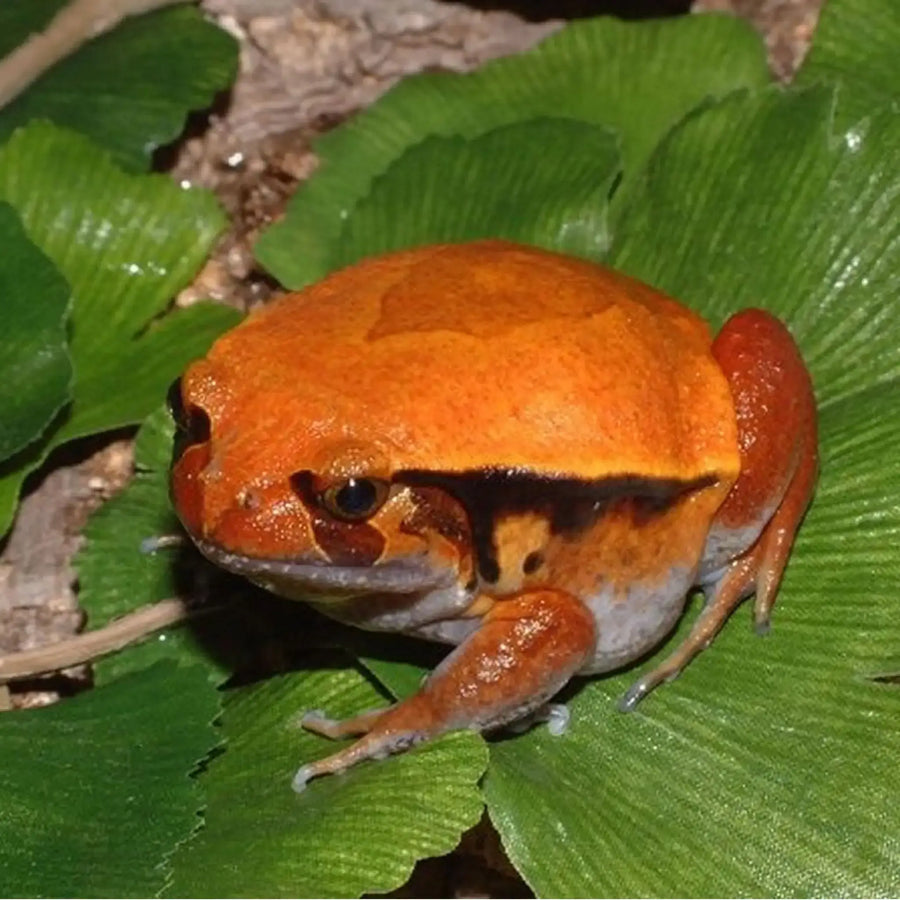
{"x": 174, "y": 402}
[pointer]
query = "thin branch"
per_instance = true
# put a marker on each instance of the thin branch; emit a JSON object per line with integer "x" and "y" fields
{"x": 71, "y": 27}
{"x": 92, "y": 644}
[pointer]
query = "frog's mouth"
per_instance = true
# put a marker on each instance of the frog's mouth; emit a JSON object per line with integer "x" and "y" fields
{"x": 287, "y": 576}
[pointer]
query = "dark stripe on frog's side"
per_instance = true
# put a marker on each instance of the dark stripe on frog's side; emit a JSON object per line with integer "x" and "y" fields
{"x": 570, "y": 505}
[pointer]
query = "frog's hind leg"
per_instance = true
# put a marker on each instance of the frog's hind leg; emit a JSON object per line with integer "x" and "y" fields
{"x": 526, "y": 648}
{"x": 750, "y": 538}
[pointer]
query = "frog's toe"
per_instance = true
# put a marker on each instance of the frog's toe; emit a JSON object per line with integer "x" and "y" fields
{"x": 317, "y": 722}
{"x": 667, "y": 671}
{"x": 630, "y": 699}
{"x": 150, "y": 545}
{"x": 391, "y": 734}
{"x": 300, "y": 779}
{"x": 331, "y": 765}
{"x": 558, "y": 717}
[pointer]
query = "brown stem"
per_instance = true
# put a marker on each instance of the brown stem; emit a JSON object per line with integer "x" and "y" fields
{"x": 91, "y": 644}
{"x": 71, "y": 27}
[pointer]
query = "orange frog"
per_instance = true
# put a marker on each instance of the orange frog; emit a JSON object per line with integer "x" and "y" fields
{"x": 523, "y": 454}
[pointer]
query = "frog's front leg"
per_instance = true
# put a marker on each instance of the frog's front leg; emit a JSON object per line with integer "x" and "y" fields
{"x": 750, "y": 538}
{"x": 526, "y": 649}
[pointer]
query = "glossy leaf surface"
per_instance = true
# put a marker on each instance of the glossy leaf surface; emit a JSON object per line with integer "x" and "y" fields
{"x": 638, "y": 79}
{"x": 95, "y": 793}
{"x": 126, "y": 244}
{"x": 34, "y": 359}
{"x": 130, "y": 90}
{"x": 543, "y": 182}
{"x": 358, "y": 832}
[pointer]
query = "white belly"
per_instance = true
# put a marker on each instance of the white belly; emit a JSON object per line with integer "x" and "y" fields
{"x": 630, "y": 625}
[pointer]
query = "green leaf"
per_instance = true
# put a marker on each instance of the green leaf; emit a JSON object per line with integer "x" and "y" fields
{"x": 855, "y": 45}
{"x": 697, "y": 800}
{"x": 543, "y": 182}
{"x": 126, "y": 244}
{"x": 397, "y": 662}
{"x": 757, "y": 203}
{"x": 345, "y": 835}
{"x": 33, "y": 356}
{"x": 768, "y": 768}
{"x": 115, "y": 576}
{"x": 131, "y": 89}
{"x": 94, "y": 791}
{"x": 399, "y": 677}
{"x": 637, "y": 79}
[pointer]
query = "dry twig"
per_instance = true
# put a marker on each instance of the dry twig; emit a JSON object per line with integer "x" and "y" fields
{"x": 90, "y": 645}
{"x": 71, "y": 27}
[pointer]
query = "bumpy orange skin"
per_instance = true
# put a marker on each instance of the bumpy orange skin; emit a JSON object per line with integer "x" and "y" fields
{"x": 456, "y": 358}
{"x": 562, "y": 452}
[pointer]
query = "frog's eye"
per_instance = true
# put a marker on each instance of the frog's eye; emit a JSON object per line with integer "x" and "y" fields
{"x": 192, "y": 425}
{"x": 355, "y": 499}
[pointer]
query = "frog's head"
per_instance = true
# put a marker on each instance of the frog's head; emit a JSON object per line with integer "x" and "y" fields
{"x": 303, "y": 510}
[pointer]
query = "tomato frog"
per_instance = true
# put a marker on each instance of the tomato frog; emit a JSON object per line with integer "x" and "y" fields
{"x": 525, "y": 455}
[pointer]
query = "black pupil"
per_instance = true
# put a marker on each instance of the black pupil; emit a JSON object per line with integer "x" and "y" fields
{"x": 356, "y": 497}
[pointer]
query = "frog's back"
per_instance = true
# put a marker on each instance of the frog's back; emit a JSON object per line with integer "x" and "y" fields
{"x": 490, "y": 355}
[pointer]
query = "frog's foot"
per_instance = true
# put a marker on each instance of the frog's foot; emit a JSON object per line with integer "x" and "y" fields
{"x": 377, "y": 745}
{"x": 525, "y": 650}
{"x": 751, "y": 536}
{"x": 156, "y": 542}
{"x": 556, "y": 715}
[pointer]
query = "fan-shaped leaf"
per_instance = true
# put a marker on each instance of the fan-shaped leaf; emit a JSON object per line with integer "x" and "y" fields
{"x": 33, "y": 356}
{"x": 637, "y": 79}
{"x": 768, "y": 767}
{"x": 544, "y": 182}
{"x": 758, "y": 203}
{"x": 358, "y": 832}
{"x": 131, "y": 89}
{"x": 95, "y": 793}
{"x": 125, "y": 244}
